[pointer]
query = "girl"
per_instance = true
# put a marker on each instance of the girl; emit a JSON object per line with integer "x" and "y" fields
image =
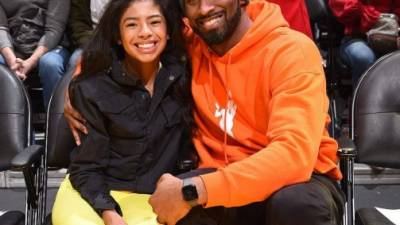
{"x": 134, "y": 92}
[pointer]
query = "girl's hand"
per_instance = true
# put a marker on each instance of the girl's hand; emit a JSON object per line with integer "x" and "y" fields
{"x": 111, "y": 217}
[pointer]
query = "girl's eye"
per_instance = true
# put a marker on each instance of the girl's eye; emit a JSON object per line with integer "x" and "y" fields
{"x": 155, "y": 22}
{"x": 131, "y": 25}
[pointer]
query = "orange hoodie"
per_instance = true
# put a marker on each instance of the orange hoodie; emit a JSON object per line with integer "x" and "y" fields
{"x": 268, "y": 93}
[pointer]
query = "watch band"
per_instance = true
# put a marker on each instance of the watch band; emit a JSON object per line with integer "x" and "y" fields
{"x": 187, "y": 181}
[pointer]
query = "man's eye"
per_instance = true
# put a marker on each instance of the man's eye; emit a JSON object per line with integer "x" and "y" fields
{"x": 192, "y": 2}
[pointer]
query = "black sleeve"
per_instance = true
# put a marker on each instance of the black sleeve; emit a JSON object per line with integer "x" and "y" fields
{"x": 55, "y": 23}
{"x": 5, "y": 38}
{"x": 86, "y": 169}
{"x": 80, "y": 22}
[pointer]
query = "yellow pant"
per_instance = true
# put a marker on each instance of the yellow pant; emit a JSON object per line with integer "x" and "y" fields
{"x": 70, "y": 209}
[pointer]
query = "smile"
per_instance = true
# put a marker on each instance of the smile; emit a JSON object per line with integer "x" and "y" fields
{"x": 146, "y": 47}
{"x": 211, "y": 21}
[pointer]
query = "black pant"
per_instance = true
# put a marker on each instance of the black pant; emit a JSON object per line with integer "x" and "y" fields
{"x": 316, "y": 202}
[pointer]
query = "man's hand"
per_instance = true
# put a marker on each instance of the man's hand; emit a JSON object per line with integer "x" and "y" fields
{"x": 167, "y": 200}
{"x": 111, "y": 217}
{"x": 74, "y": 119}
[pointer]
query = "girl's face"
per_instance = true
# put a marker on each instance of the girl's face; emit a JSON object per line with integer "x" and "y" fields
{"x": 143, "y": 32}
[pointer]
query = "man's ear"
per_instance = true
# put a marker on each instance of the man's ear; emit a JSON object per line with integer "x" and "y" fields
{"x": 243, "y": 3}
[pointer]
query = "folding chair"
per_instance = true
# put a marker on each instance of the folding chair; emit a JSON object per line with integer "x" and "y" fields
{"x": 375, "y": 127}
{"x": 16, "y": 151}
{"x": 327, "y": 35}
{"x": 58, "y": 140}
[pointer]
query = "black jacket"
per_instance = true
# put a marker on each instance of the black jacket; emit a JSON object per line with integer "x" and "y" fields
{"x": 133, "y": 138}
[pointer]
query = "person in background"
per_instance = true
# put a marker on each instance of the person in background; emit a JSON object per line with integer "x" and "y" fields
{"x": 295, "y": 12}
{"x": 358, "y": 17}
{"x": 83, "y": 19}
{"x": 32, "y": 36}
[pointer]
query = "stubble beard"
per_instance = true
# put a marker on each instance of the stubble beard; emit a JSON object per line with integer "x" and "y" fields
{"x": 219, "y": 35}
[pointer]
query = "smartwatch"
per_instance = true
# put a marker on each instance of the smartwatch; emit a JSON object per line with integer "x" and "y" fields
{"x": 189, "y": 192}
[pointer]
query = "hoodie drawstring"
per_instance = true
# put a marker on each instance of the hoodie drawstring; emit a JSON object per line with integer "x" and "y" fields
{"x": 228, "y": 99}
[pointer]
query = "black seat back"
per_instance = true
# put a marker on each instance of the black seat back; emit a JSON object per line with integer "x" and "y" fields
{"x": 322, "y": 20}
{"x": 317, "y": 10}
{"x": 59, "y": 139}
{"x": 376, "y": 113}
{"x": 15, "y": 117}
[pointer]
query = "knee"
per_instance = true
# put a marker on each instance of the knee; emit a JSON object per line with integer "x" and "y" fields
{"x": 75, "y": 58}
{"x": 365, "y": 57}
{"x": 361, "y": 53}
{"x": 287, "y": 202}
{"x": 51, "y": 63}
{"x": 300, "y": 202}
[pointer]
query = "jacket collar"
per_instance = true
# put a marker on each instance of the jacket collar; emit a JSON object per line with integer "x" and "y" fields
{"x": 119, "y": 75}
{"x": 168, "y": 73}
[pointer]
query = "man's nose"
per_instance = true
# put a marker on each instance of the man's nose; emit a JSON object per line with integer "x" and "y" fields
{"x": 205, "y": 6}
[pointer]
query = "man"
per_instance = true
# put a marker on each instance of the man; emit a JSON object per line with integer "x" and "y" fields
{"x": 261, "y": 110}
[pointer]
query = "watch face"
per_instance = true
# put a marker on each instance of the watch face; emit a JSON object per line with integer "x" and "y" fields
{"x": 189, "y": 192}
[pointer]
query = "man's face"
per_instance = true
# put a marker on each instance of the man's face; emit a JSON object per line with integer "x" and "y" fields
{"x": 213, "y": 20}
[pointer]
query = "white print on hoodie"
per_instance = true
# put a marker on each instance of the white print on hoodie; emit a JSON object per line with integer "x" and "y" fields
{"x": 230, "y": 115}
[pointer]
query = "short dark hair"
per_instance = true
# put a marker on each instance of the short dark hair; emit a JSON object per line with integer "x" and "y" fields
{"x": 182, "y": 4}
{"x": 97, "y": 52}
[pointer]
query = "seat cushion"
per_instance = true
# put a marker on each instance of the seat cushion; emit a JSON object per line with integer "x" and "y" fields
{"x": 12, "y": 218}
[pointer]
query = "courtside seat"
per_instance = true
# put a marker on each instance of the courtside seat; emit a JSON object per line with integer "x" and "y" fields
{"x": 16, "y": 151}
{"x": 376, "y": 125}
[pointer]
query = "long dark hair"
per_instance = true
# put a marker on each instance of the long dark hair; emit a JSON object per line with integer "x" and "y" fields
{"x": 97, "y": 52}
